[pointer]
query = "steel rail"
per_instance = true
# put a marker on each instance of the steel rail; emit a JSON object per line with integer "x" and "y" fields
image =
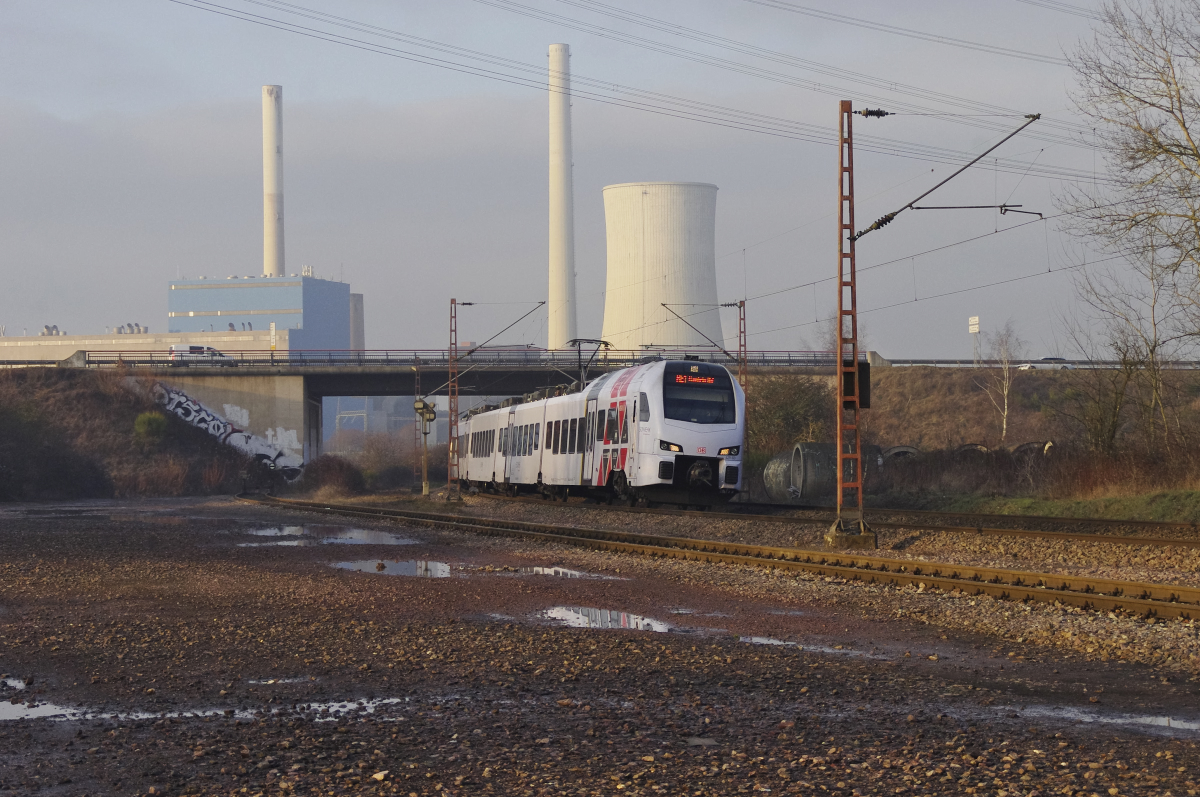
{"x": 1156, "y": 542}
{"x": 1157, "y": 600}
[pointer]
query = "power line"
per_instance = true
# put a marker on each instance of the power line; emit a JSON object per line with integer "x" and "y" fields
{"x": 922, "y": 299}
{"x": 1066, "y": 8}
{"x": 829, "y": 16}
{"x": 892, "y": 87}
{"x": 637, "y": 99}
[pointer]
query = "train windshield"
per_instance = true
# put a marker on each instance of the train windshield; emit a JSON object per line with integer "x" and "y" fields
{"x": 698, "y": 393}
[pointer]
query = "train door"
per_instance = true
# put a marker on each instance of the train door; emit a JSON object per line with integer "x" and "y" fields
{"x": 589, "y": 447}
{"x": 622, "y": 440}
{"x": 645, "y": 435}
{"x": 507, "y": 449}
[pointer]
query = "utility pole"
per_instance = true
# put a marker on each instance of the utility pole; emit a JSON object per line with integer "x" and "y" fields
{"x": 416, "y": 418}
{"x": 452, "y": 449}
{"x": 743, "y": 365}
{"x": 850, "y": 529}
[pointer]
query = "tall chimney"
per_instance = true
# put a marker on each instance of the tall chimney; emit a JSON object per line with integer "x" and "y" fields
{"x": 272, "y": 108}
{"x": 562, "y": 203}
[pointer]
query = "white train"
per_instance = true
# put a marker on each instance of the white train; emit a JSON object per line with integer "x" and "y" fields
{"x": 668, "y": 431}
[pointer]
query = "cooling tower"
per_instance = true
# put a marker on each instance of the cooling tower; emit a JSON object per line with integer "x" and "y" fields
{"x": 561, "y": 309}
{"x": 661, "y": 250}
{"x": 272, "y": 110}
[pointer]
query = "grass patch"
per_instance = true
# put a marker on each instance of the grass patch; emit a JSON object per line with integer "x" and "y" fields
{"x": 1172, "y": 506}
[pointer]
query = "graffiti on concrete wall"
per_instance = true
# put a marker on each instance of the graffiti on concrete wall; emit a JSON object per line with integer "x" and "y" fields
{"x": 269, "y": 450}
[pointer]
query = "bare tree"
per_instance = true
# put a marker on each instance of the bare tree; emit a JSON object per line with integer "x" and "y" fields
{"x": 1137, "y": 83}
{"x": 1093, "y": 400}
{"x": 1143, "y": 327}
{"x": 1004, "y": 348}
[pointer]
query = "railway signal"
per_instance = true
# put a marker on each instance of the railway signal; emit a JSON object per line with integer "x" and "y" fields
{"x": 427, "y": 414}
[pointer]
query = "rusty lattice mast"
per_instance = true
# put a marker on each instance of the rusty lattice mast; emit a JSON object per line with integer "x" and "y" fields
{"x": 849, "y": 449}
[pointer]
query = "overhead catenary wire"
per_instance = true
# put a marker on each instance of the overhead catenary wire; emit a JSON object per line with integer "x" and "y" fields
{"x": 606, "y": 92}
{"x": 979, "y": 110}
{"x": 887, "y": 218}
{"x": 911, "y": 33}
{"x": 889, "y": 84}
{"x": 1066, "y": 8}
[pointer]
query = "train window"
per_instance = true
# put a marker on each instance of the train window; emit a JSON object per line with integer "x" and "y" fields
{"x": 698, "y": 393}
{"x": 625, "y": 427}
{"x": 598, "y": 424}
{"x": 643, "y": 408}
{"x": 527, "y": 441}
{"x": 537, "y": 428}
{"x": 571, "y": 435}
{"x": 582, "y": 437}
{"x": 610, "y": 427}
{"x": 554, "y": 441}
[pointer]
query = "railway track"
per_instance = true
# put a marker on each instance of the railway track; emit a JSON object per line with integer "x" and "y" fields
{"x": 1157, "y": 600}
{"x": 1157, "y": 542}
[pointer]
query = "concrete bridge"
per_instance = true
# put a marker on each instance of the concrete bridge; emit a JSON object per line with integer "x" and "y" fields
{"x": 273, "y": 399}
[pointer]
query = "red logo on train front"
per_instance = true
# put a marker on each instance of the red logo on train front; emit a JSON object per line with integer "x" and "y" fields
{"x": 701, "y": 450}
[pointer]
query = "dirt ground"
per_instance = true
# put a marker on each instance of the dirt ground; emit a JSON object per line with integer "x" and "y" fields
{"x": 207, "y": 646}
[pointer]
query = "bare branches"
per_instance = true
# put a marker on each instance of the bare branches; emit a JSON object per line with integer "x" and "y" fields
{"x": 1137, "y": 82}
{"x": 1006, "y": 348}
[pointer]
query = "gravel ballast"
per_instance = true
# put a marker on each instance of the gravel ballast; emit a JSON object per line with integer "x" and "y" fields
{"x": 190, "y": 665}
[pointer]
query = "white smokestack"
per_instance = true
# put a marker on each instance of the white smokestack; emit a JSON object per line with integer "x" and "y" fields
{"x": 562, "y": 203}
{"x": 272, "y": 109}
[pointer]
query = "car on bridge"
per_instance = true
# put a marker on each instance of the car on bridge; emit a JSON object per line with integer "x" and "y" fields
{"x": 205, "y": 355}
{"x": 1047, "y": 364}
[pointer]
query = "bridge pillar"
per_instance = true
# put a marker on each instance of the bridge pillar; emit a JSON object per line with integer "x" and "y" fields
{"x": 275, "y": 408}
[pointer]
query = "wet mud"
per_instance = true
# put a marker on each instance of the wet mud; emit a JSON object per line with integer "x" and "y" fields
{"x": 142, "y": 647}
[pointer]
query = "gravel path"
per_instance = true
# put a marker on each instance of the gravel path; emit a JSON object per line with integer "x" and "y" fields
{"x": 1103, "y": 560}
{"x": 186, "y": 664}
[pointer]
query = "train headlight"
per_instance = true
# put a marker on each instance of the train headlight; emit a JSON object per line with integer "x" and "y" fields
{"x": 732, "y": 451}
{"x": 665, "y": 446}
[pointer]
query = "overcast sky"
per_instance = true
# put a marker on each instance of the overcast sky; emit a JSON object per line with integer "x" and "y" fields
{"x": 131, "y": 141}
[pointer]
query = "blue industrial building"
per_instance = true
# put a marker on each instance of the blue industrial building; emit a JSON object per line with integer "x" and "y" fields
{"x": 315, "y": 312}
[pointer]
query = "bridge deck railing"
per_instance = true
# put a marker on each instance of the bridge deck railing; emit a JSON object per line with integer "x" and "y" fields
{"x": 435, "y": 358}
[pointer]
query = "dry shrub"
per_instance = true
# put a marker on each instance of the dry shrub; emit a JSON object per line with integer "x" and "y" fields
{"x": 70, "y": 433}
{"x": 214, "y": 475}
{"x": 787, "y": 409}
{"x": 330, "y": 476}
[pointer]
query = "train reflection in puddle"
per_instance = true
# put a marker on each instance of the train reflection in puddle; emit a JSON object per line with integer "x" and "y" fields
{"x": 322, "y": 535}
{"x": 559, "y": 572}
{"x": 585, "y": 617}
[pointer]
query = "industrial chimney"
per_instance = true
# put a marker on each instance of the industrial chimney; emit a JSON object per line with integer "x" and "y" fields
{"x": 272, "y": 109}
{"x": 562, "y": 203}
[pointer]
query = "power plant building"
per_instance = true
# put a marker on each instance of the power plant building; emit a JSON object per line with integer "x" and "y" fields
{"x": 315, "y": 312}
{"x": 661, "y": 251}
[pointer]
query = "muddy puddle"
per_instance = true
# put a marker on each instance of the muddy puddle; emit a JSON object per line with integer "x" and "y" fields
{"x": 589, "y": 617}
{"x": 425, "y": 569}
{"x": 417, "y": 568}
{"x": 837, "y": 650}
{"x": 1067, "y": 714}
{"x": 584, "y": 617}
{"x": 302, "y": 536}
